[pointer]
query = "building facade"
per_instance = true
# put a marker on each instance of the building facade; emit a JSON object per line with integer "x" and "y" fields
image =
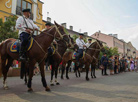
{"x": 15, "y": 7}
{"x": 111, "y": 41}
{"x": 125, "y": 49}
{"x": 130, "y": 50}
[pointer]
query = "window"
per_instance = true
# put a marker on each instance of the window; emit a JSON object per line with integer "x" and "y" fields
{"x": 5, "y": 19}
{"x": 29, "y": 6}
{"x": 22, "y": 4}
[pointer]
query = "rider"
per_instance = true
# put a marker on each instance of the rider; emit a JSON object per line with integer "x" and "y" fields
{"x": 81, "y": 44}
{"x": 89, "y": 42}
{"x": 25, "y": 26}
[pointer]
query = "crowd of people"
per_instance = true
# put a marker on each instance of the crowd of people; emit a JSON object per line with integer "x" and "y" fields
{"x": 118, "y": 65}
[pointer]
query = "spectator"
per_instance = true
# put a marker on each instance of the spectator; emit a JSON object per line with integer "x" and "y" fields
{"x": 132, "y": 64}
{"x": 104, "y": 62}
{"x": 111, "y": 64}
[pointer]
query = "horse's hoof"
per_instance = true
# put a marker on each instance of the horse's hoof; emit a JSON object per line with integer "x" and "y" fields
{"x": 6, "y": 88}
{"x": 94, "y": 76}
{"x": 52, "y": 84}
{"x": 48, "y": 89}
{"x": 57, "y": 83}
{"x": 87, "y": 79}
{"x": 30, "y": 90}
{"x": 76, "y": 76}
{"x": 79, "y": 75}
{"x": 62, "y": 77}
{"x": 67, "y": 77}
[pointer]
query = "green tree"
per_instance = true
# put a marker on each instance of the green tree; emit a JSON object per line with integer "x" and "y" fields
{"x": 7, "y": 28}
{"x": 110, "y": 51}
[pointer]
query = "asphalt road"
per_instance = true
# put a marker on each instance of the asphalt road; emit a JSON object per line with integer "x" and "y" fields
{"x": 117, "y": 88}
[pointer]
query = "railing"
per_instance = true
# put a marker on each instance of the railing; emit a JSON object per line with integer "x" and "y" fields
{"x": 19, "y": 10}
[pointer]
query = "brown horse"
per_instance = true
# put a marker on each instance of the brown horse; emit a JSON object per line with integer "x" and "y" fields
{"x": 56, "y": 58}
{"x": 37, "y": 53}
{"x": 94, "y": 62}
{"x": 87, "y": 60}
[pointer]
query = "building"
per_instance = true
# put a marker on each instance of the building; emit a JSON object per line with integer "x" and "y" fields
{"x": 130, "y": 50}
{"x": 111, "y": 41}
{"x": 125, "y": 49}
{"x": 14, "y": 7}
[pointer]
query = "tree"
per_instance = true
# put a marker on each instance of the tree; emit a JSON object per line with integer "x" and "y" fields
{"x": 110, "y": 51}
{"x": 7, "y": 28}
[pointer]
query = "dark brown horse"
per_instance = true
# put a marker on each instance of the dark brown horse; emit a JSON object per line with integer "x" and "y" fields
{"x": 94, "y": 63}
{"x": 56, "y": 58}
{"x": 87, "y": 60}
{"x": 37, "y": 53}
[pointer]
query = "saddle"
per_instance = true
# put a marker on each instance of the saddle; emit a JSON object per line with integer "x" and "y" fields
{"x": 15, "y": 46}
{"x": 75, "y": 54}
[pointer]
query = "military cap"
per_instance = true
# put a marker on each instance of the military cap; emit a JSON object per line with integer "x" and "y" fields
{"x": 89, "y": 39}
{"x": 48, "y": 24}
{"x": 26, "y": 10}
{"x": 81, "y": 34}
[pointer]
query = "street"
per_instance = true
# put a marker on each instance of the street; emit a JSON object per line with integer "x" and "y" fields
{"x": 122, "y": 87}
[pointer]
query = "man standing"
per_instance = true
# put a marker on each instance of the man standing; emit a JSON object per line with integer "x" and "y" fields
{"x": 81, "y": 44}
{"x": 89, "y": 42}
{"x": 104, "y": 62}
{"x": 25, "y": 26}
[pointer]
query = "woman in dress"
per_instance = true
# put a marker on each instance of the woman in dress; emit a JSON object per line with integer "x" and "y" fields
{"x": 132, "y": 64}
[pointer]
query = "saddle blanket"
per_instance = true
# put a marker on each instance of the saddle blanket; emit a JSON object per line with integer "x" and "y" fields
{"x": 15, "y": 47}
{"x": 76, "y": 54}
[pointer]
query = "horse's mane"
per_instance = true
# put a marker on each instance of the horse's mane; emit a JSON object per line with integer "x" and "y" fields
{"x": 91, "y": 45}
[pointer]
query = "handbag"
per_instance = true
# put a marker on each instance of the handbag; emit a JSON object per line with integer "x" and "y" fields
{"x": 101, "y": 67}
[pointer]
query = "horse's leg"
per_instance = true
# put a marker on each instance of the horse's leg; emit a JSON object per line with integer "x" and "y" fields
{"x": 63, "y": 69}
{"x": 76, "y": 68}
{"x": 5, "y": 70}
{"x": 52, "y": 74}
{"x": 94, "y": 72}
{"x": 67, "y": 69}
{"x": 87, "y": 71}
{"x": 56, "y": 73}
{"x": 25, "y": 78}
{"x": 43, "y": 77}
{"x": 31, "y": 69}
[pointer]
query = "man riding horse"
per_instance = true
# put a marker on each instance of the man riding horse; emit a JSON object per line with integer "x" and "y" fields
{"x": 25, "y": 25}
{"x": 81, "y": 44}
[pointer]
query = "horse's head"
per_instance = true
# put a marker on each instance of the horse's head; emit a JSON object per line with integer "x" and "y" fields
{"x": 74, "y": 45}
{"x": 100, "y": 46}
{"x": 60, "y": 33}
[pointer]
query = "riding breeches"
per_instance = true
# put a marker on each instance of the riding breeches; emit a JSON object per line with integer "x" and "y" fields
{"x": 24, "y": 37}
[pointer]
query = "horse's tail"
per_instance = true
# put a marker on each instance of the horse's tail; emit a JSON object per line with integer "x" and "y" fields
{"x": 0, "y": 61}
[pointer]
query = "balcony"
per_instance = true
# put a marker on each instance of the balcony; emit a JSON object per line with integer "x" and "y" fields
{"x": 19, "y": 10}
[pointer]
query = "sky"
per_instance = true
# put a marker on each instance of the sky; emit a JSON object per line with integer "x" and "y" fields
{"x": 109, "y": 16}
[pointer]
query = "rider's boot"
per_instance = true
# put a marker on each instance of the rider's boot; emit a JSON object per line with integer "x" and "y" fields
{"x": 22, "y": 54}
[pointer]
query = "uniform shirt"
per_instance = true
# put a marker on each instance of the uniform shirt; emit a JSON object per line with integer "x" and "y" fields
{"x": 88, "y": 44}
{"x": 104, "y": 60}
{"x": 21, "y": 25}
{"x": 80, "y": 43}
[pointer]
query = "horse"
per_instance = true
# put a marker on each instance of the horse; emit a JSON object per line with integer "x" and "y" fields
{"x": 56, "y": 58}
{"x": 87, "y": 60}
{"x": 37, "y": 53}
{"x": 95, "y": 61}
